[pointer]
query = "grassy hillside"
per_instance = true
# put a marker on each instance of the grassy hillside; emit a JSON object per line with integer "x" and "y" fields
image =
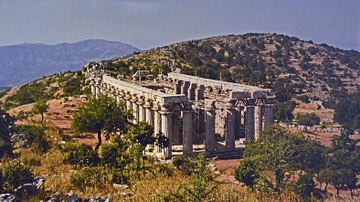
{"x": 319, "y": 70}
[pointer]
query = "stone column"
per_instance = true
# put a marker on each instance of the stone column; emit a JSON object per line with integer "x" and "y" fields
{"x": 97, "y": 91}
{"x": 249, "y": 120}
{"x": 191, "y": 91}
{"x": 142, "y": 112}
{"x": 185, "y": 87}
{"x": 157, "y": 125}
{"x": 149, "y": 113}
{"x": 199, "y": 93}
{"x": 167, "y": 129}
{"x": 117, "y": 97}
{"x": 177, "y": 87}
{"x": 92, "y": 87}
{"x": 210, "y": 141}
{"x": 268, "y": 112}
{"x": 230, "y": 126}
{"x": 187, "y": 130}
{"x": 135, "y": 109}
{"x": 238, "y": 121}
{"x": 128, "y": 104}
{"x": 258, "y": 120}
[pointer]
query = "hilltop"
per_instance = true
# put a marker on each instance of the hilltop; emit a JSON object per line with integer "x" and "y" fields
{"x": 20, "y": 64}
{"x": 319, "y": 70}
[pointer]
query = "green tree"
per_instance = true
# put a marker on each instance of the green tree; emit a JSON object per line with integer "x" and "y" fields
{"x": 307, "y": 119}
{"x": 347, "y": 111}
{"x": 114, "y": 154}
{"x": 101, "y": 115}
{"x": 343, "y": 163}
{"x": 140, "y": 135}
{"x": 247, "y": 173}
{"x": 280, "y": 152}
{"x": 40, "y": 107}
{"x": 283, "y": 111}
{"x": 35, "y": 137}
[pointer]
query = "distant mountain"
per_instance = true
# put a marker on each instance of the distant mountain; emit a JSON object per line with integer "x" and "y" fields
{"x": 26, "y": 62}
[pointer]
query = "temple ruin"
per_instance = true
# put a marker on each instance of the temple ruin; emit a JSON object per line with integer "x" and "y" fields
{"x": 190, "y": 110}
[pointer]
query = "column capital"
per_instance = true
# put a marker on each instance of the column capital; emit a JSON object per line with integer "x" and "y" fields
{"x": 134, "y": 98}
{"x": 250, "y": 102}
{"x": 230, "y": 104}
{"x": 269, "y": 100}
{"x": 147, "y": 104}
{"x": 141, "y": 100}
{"x": 209, "y": 105}
{"x": 165, "y": 107}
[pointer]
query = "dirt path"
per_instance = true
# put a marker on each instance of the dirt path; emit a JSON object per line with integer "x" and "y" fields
{"x": 10, "y": 93}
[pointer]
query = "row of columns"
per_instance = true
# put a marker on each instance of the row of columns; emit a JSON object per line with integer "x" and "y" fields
{"x": 157, "y": 115}
{"x": 254, "y": 123}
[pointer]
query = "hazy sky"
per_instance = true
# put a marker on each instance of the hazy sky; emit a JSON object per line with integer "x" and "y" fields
{"x": 152, "y": 23}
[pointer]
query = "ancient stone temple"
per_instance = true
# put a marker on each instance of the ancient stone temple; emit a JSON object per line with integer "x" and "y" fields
{"x": 190, "y": 110}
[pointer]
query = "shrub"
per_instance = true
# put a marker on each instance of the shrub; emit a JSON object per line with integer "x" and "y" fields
{"x": 16, "y": 174}
{"x": 119, "y": 177}
{"x": 114, "y": 155}
{"x": 90, "y": 177}
{"x": 82, "y": 155}
{"x": 247, "y": 173}
{"x": 304, "y": 186}
{"x": 303, "y": 98}
{"x": 35, "y": 136}
{"x": 166, "y": 170}
{"x": 5, "y": 148}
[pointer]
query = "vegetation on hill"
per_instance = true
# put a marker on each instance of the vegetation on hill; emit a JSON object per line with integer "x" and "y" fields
{"x": 320, "y": 71}
{"x": 56, "y": 86}
{"x": 281, "y": 161}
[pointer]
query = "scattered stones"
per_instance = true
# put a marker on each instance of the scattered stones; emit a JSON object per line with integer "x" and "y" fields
{"x": 99, "y": 199}
{"x": 38, "y": 181}
{"x": 7, "y": 197}
{"x": 121, "y": 186}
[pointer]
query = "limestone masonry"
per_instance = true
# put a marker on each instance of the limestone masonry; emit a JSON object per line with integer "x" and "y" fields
{"x": 190, "y": 110}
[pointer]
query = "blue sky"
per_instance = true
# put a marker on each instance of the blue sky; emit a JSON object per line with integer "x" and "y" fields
{"x": 152, "y": 23}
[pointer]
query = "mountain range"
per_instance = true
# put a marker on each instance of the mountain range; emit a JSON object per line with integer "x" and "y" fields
{"x": 20, "y": 64}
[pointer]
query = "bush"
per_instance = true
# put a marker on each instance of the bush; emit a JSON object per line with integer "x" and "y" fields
{"x": 247, "y": 173}
{"x": 119, "y": 177}
{"x": 16, "y": 174}
{"x": 166, "y": 170}
{"x": 114, "y": 155}
{"x": 35, "y": 136}
{"x": 5, "y": 148}
{"x": 304, "y": 186}
{"x": 82, "y": 155}
{"x": 90, "y": 177}
{"x": 303, "y": 98}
